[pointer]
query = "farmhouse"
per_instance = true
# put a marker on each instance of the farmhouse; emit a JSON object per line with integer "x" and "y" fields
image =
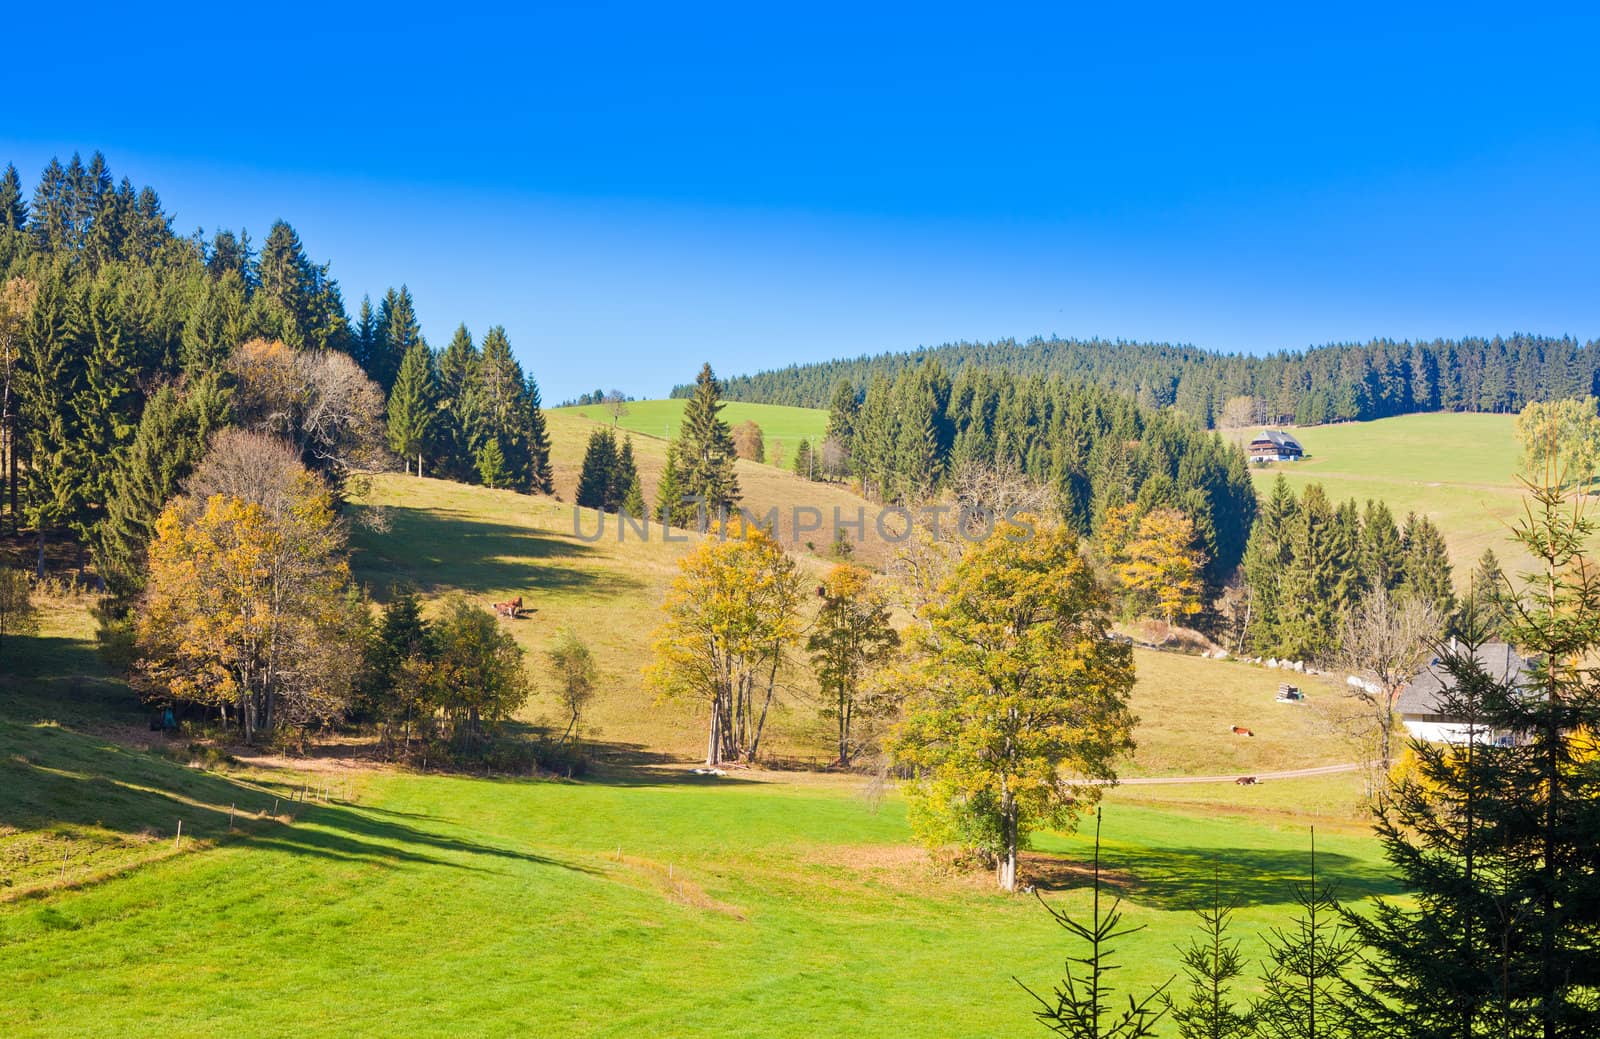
{"x": 1421, "y": 704}
{"x": 1274, "y": 445}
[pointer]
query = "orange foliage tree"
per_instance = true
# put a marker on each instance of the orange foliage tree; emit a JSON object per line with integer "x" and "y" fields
{"x": 250, "y": 609}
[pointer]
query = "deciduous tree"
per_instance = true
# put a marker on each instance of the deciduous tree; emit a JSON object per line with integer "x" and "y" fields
{"x": 1018, "y": 698}
{"x": 850, "y": 638}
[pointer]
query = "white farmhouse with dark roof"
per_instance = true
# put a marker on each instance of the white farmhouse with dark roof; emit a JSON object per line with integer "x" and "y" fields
{"x": 1421, "y": 706}
{"x": 1274, "y": 445}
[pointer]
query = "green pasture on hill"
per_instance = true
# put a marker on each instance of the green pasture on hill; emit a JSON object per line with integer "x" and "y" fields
{"x": 1457, "y": 469}
{"x": 661, "y": 418}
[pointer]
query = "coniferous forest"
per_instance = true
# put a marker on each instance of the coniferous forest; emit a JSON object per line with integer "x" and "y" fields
{"x": 126, "y": 343}
{"x": 1334, "y": 383}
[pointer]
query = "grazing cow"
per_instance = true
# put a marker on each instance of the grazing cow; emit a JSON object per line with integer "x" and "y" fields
{"x": 1240, "y": 730}
{"x": 512, "y": 609}
{"x": 1246, "y": 780}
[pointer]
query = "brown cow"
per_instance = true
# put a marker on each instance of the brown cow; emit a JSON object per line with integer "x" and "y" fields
{"x": 1240, "y": 730}
{"x": 1246, "y": 780}
{"x": 512, "y": 609}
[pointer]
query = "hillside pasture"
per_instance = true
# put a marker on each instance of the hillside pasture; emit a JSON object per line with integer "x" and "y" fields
{"x": 782, "y": 427}
{"x": 1457, "y": 469}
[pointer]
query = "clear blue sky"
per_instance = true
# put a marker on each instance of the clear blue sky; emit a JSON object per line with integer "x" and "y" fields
{"x": 631, "y": 191}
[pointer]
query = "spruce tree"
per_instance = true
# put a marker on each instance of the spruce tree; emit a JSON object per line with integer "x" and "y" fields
{"x": 173, "y": 432}
{"x": 1308, "y": 967}
{"x": 498, "y": 409}
{"x": 398, "y": 332}
{"x": 633, "y": 500}
{"x": 671, "y": 509}
{"x": 1382, "y": 554}
{"x": 50, "y": 379}
{"x": 541, "y": 478}
{"x": 624, "y": 477}
{"x": 805, "y": 463}
{"x": 1266, "y": 558}
{"x": 705, "y": 450}
{"x": 596, "y": 482}
{"x": 1213, "y": 964}
{"x": 491, "y": 464}
{"x": 1484, "y": 609}
{"x": 296, "y": 297}
{"x": 1426, "y": 574}
{"x": 13, "y": 206}
{"x": 413, "y": 409}
{"x": 458, "y": 368}
{"x": 1306, "y": 606}
{"x": 843, "y": 411}
{"x": 364, "y": 337}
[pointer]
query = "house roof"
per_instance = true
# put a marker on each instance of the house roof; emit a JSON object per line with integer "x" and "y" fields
{"x": 1422, "y": 694}
{"x": 1278, "y": 437}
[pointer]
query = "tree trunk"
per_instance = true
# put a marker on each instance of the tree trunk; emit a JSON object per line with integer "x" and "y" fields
{"x": 1006, "y": 868}
{"x": 38, "y": 570}
{"x": 714, "y": 738}
{"x": 419, "y": 465}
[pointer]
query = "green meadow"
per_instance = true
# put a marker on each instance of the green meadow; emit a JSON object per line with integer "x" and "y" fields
{"x": 1458, "y": 469}
{"x": 781, "y": 425}
{"x": 325, "y": 895}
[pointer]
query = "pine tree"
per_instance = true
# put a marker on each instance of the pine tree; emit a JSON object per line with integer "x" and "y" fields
{"x": 173, "y": 431}
{"x": 458, "y": 372}
{"x": 1426, "y": 574}
{"x": 498, "y": 408}
{"x": 398, "y": 332}
{"x": 296, "y": 297}
{"x": 491, "y": 464}
{"x": 1266, "y": 558}
{"x": 1213, "y": 964}
{"x": 597, "y": 481}
{"x": 1485, "y": 611}
{"x": 413, "y": 409}
{"x": 13, "y": 206}
{"x": 624, "y": 477}
{"x": 1306, "y": 607}
{"x": 540, "y": 479}
{"x": 705, "y": 448}
{"x": 1308, "y": 965}
{"x": 805, "y": 462}
{"x": 1382, "y": 554}
{"x": 633, "y": 500}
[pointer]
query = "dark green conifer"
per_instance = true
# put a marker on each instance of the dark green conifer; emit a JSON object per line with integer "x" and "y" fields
{"x": 413, "y": 410}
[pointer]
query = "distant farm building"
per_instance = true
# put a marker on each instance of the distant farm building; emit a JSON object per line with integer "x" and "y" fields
{"x": 1421, "y": 703}
{"x": 1274, "y": 445}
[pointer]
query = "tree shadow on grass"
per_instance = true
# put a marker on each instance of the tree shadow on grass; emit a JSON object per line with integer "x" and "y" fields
{"x": 1188, "y": 878}
{"x": 441, "y": 550}
{"x": 79, "y": 790}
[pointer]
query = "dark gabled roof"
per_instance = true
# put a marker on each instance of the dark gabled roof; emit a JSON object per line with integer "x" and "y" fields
{"x": 1421, "y": 694}
{"x": 1277, "y": 437}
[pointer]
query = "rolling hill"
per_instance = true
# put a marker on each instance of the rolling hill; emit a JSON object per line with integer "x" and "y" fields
{"x": 782, "y": 427}
{"x": 1457, "y": 469}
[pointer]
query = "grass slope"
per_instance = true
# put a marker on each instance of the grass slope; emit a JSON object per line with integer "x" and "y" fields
{"x": 1459, "y": 470}
{"x": 438, "y": 906}
{"x": 782, "y": 427}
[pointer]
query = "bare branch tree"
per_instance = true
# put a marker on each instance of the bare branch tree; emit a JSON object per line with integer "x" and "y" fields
{"x": 1382, "y": 640}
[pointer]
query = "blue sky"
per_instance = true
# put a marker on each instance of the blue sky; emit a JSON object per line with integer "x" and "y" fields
{"x": 631, "y": 191}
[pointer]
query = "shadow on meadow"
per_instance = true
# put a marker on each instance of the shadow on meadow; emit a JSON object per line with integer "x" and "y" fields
{"x": 97, "y": 798}
{"x": 442, "y": 550}
{"x": 1178, "y": 878}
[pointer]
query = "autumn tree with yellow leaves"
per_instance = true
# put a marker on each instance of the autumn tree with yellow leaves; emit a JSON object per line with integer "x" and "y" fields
{"x": 849, "y": 640}
{"x": 249, "y": 606}
{"x": 1017, "y": 701}
{"x": 732, "y": 617}
{"x": 1161, "y": 563}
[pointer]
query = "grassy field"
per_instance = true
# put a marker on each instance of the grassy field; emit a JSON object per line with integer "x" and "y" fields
{"x": 1459, "y": 470}
{"x": 782, "y": 427}
{"x": 646, "y": 900}
{"x": 643, "y": 899}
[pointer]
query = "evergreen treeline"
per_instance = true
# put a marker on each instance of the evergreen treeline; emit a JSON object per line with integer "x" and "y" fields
{"x": 1097, "y": 450}
{"x": 1323, "y": 384}
{"x": 1310, "y": 561}
{"x": 118, "y": 355}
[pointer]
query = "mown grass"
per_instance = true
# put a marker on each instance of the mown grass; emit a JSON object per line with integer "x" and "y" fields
{"x": 653, "y": 902}
{"x": 782, "y": 427}
{"x": 1458, "y": 470}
